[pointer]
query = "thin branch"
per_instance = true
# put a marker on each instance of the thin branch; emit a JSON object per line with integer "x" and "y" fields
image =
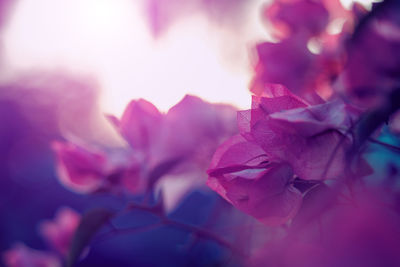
{"x": 132, "y": 230}
{"x": 202, "y": 233}
{"x": 156, "y": 211}
{"x": 386, "y": 145}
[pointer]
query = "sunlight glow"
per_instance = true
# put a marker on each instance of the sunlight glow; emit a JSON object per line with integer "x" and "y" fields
{"x": 366, "y": 3}
{"x": 110, "y": 41}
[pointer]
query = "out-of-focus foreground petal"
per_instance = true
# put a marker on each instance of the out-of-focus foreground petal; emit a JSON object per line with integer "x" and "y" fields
{"x": 22, "y": 256}
{"x": 58, "y": 233}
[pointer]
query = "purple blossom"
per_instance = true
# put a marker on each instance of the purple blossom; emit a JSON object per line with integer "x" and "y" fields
{"x": 294, "y": 131}
{"x": 242, "y": 174}
{"x": 178, "y": 144}
{"x": 281, "y": 138}
{"x": 290, "y": 61}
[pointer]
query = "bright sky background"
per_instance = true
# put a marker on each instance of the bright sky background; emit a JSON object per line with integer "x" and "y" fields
{"x": 109, "y": 40}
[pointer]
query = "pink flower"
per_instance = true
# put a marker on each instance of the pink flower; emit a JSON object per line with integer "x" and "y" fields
{"x": 313, "y": 139}
{"x": 169, "y": 151}
{"x": 282, "y": 137}
{"x": 59, "y": 232}
{"x": 22, "y": 256}
{"x": 307, "y": 57}
{"x": 242, "y": 174}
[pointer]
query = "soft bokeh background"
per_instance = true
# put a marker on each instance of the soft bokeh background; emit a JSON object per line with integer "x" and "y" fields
{"x": 201, "y": 49}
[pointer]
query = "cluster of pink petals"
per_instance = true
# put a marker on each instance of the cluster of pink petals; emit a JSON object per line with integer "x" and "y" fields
{"x": 58, "y": 233}
{"x": 178, "y": 143}
{"x": 282, "y": 137}
{"x": 241, "y": 173}
{"x": 290, "y": 61}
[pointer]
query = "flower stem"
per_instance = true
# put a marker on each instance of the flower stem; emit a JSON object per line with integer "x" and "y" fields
{"x": 165, "y": 221}
{"x": 386, "y": 145}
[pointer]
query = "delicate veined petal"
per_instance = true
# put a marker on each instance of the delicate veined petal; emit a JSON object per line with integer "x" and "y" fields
{"x": 268, "y": 195}
{"x": 237, "y": 151}
{"x": 319, "y": 118}
{"x": 299, "y": 139}
{"x": 240, "y": 173}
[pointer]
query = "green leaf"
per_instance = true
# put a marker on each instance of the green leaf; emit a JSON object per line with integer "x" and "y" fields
{"x": 90, "y": 223}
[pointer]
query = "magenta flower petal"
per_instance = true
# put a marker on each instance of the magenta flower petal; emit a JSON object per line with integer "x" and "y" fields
{"x": 79, "y": 169}
{"x": 192, "y": 122}
{"x": 288, "y": 62}
{"x": 296, "y": 136}
{"x": 276, "y": 97}
{"x": 59, "y": 232}
{"x": 191, "y": 132}
{"x": 241, "y": 174}
{"x": 140, "y": 124}
{"x": 319, "y": 118}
